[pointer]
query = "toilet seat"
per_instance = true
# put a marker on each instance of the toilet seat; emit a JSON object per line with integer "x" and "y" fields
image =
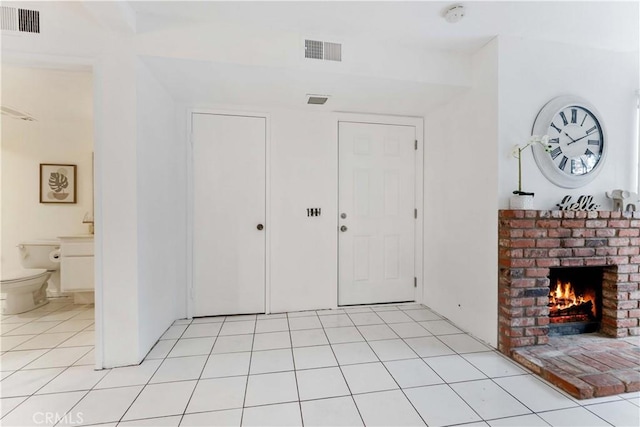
{"x": 18, "y": 276}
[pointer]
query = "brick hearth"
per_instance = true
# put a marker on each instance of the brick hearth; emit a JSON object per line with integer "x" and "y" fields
{"x": 531, "y": 242}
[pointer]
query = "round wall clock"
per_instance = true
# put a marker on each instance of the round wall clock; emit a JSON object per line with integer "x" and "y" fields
{"x": 577, "y": 139}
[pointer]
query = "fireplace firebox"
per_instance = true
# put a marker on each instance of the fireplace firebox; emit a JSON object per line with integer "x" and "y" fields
{"x": 575, "y": 300}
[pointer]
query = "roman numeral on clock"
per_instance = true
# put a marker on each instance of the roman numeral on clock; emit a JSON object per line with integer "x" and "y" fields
{"x": 553, "y": 125}
{"x": 574, "y": 115}
{"x": 564, "y": 118}
{"x": 585, "y": 118}
{"x": 563, "y": 162}
{"x": 554, "y": 141}
{"x": 591, "y": 130}
{"x": 593, "y": 142}
{"x": 556, "y": 152}
{"x": 589, "y": 153}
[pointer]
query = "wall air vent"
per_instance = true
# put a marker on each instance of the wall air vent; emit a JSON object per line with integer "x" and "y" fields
{"x": 315, "y": 49}
{"x": 15, "y": 114}
{"x": 20, "y": 20}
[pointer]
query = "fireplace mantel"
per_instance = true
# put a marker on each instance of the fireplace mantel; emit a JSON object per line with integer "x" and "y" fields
{"x": 530, "y": 242}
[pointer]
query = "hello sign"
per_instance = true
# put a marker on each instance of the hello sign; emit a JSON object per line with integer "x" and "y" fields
{"x": 584, "y": 203}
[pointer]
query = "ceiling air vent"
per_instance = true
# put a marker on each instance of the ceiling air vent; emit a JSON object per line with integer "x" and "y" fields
{"x": 315, "y": 49}
{"x": 20, "y": 20}
{"x": 317, "y": 99}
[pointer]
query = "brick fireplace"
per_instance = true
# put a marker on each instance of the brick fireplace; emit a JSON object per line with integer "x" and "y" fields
{"x": 532, "y": 242}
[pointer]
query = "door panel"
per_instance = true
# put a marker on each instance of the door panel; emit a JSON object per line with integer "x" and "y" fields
{"x": 377, "y": 195}
{"x": 229, "y": 203}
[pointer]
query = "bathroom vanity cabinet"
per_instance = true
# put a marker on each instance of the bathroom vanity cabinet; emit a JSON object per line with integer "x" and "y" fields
{"x": 77, "y": 267}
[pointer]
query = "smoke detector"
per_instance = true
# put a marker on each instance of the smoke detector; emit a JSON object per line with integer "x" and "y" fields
{"x": 454, "y": 13}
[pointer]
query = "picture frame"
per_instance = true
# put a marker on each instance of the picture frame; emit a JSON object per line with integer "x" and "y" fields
{"x": 58, "y": 183}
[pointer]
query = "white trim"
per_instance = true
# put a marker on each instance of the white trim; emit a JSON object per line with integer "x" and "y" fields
{"x": 190, "y": 200}
{"x": 418, "y": 124}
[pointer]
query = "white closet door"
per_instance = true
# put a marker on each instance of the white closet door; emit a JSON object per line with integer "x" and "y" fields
{"x": 376, "y": 209}
{"x": 228, "y": 214}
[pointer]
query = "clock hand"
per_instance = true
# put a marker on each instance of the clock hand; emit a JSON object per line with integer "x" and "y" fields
{"x": 582, "y": 137}
{"x": 570, "y": 138}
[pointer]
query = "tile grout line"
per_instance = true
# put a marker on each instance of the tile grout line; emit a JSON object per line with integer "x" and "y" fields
{"x": 246, "y": 385}
{"x": 295, "y": 373}
{"x": 342, "y": 372}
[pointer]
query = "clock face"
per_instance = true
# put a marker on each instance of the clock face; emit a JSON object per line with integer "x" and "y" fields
{"x": 576, "y": 140}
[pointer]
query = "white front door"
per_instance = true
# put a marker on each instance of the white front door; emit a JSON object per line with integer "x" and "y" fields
{"x": 228, "y": 214}
{"x": 376, "y": 213}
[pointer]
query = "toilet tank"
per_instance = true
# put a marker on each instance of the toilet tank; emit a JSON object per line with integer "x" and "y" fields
{"x": 40, "y": 254}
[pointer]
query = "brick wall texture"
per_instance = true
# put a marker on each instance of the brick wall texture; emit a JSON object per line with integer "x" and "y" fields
{"x": 530, "y": 242}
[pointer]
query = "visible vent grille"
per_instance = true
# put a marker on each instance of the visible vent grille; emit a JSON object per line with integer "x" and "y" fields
{"x": 21, "y": 20}
{"x": 9, "y": 18}
{"x": 29, "y": 21}
{"x": 315, "y": 49}
{"x": 317, "y": 99}
{"x": 332, "y": 51}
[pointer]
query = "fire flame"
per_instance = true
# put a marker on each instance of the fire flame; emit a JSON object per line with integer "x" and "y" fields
{"x": 564, "y": 297}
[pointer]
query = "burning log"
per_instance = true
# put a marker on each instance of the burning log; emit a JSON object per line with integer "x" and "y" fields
{"x": 584, "y": 308}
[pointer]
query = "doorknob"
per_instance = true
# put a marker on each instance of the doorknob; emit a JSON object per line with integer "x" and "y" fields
{"x": 260, "y": 227}
{"x": 343, "y": 228}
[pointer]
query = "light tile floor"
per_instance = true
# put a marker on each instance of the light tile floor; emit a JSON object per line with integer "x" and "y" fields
{"x": 382, "y": 365}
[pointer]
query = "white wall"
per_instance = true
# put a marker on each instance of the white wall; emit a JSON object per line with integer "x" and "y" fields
{"x": 534, "y": 72}
{"x": 161, "y": 168}
{"x": 61, "y": 102}
{"x": 461, "y": 202}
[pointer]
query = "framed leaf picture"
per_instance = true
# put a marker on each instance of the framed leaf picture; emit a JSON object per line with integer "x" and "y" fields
{"x": 57, "y": 183}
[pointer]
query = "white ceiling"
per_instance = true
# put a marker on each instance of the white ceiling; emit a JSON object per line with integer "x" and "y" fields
{"x": 604, "y": 24}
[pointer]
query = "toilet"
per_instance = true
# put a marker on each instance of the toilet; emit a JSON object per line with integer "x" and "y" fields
{"x": 26, "y": 289}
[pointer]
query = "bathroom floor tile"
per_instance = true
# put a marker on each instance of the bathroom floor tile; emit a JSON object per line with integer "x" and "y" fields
{"x": 199, "y": 330}
{"x": 368, "y": 377}
{"x": 271, "y": 341}
{"x": 39, "y": 406}
{"x": 314, "y": 357}
{"x": 395, "y": 316}
{"x": 574, "y": 417}
{"x": 192, "y": 347}
{"x": 129, "y": 375}
{"x": 179, "y": 369}
{"x": 59, "y": 357}
{"x": 440, "y": 406}
{"x": 160, "y": 400}
{"x": 308, "y": 338}
{"x": 535, "y": 394}
{"x": 217, "y": 394}
{"x": 352, "y": 353}
{"x": 239, "y": 327}
{"x": 271, "y": 388}
{"x": 301, "y": 323}
{"x": 284, "y": 414}
{"x": 412, "y": 373}
{"x": 420, "y": 315}
{"x": 335, "y": 321}
{"x": 440, "y": 327}
{"x": 26, "y": 383}
{"x": 161, "y": 349}
{"x": 377, "y": 332}
{"x": 83, "y": 338}
{"x": 428, "y": 346}
{"x": 392, "y": 350}
{"x": 454, "y": 368}
{"x": 233, "y": 344}
{"x": 227, "y": 365}
{"x": 337, "y": 411}
{"x": 321, "y": 383}
{"x": 228, "y": 418}
{"x": 343, "y": 334}
{"x": 271, "y": 325}
{"x": 409, "y": 330}
{"x": 75, "y": 378}
{"x": 266, "y": 361}
{"x": 388, "y": 408}
{"x": 368, "y": 318}
{"x": 45, "y": 341}
{"x": 103, "y": 406}
{"x": 489, "y": 400}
